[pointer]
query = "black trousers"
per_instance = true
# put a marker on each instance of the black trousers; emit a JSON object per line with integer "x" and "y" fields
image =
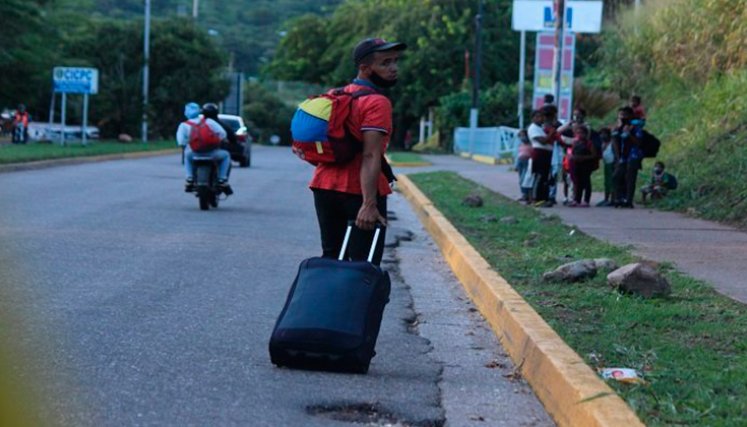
{"x": 333, "y": 211}
{"x": 582, "y": 183}
{"x": 541, "y": 169}
{"x": 625, "y": 177}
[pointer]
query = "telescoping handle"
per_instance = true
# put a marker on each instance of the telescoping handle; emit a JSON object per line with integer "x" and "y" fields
{"x": 347, "y": 239}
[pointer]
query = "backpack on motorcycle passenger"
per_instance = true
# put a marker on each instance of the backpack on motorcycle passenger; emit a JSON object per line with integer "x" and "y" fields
{"x": 202, "y": 139}
{"x": 320, "y": 134}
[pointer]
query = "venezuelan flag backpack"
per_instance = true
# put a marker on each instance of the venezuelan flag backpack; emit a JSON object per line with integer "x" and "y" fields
{"x": 318, "y": 128}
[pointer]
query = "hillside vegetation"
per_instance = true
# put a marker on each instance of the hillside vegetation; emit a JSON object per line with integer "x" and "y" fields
{"x": 691, "y": 69}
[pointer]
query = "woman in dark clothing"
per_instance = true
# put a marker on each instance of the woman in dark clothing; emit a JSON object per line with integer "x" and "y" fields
{"x": 584, "y": 160}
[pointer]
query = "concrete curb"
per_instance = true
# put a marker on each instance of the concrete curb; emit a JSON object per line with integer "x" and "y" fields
{"x": 42, "y": 164}
{"x": 570, "y": 390}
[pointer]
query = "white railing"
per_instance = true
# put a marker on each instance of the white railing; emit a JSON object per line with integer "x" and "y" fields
{"x": 498, "y": 142}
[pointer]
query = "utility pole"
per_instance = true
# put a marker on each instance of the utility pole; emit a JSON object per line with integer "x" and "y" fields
{"x": 478, "y": 62}
{"x": 195, "y": 8}
{"x": 522, "y": 76}
{"x": 559, "y": 41}
{"x": 146, "y": 58}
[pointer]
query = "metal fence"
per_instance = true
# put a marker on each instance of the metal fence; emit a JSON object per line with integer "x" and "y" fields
{"x": 499, "y": 142}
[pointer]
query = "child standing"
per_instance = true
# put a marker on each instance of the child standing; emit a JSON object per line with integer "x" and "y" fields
{"x": 584, "y": 161}
{"x": 523, "y": 154}
{"x": 608, "y": 159}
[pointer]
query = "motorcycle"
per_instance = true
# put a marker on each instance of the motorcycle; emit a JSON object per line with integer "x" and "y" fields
{"x": 206, "y": 186}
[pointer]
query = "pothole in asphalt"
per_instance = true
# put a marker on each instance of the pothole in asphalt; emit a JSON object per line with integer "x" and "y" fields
{"x": 369, "y": 414}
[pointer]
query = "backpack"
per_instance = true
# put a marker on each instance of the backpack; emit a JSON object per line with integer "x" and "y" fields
{"x": 202, "y": 138}
{"x": 320, "y": 134}
{"x": 650, "y": 144}
{"x": 671, "y": 181}
{"x": 318, "y": 128}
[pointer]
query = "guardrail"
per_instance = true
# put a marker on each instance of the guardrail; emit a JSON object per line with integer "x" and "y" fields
{"x": 496, "y": 143}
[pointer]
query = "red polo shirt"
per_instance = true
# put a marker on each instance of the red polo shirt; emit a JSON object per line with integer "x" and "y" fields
{"x": 369, "y": 113}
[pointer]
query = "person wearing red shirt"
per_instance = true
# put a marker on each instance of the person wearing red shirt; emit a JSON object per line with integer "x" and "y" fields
{"x": 357, "y": 190}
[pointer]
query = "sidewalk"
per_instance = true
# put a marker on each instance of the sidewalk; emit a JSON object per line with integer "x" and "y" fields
{"x": 708, "y": 251}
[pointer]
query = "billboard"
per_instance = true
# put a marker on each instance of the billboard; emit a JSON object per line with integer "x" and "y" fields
{"x": 75, "y": 80}
{"x": 537, "y": 15}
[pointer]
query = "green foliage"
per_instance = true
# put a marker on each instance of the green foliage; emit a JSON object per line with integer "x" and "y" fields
{"x": 497, "y": 108}
{"x": 26, "y": 56}
{"x": 267, "y": 114}
{"x": 438, "y": 32}
{"x": 185, "y": 66}
{"x": 691, "y": 346}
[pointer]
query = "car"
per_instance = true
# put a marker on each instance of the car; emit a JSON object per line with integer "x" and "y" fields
{"x": 241, "y": 152}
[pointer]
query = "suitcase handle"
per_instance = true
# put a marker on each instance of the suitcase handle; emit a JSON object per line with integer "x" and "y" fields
{"x": 345, "y": 241}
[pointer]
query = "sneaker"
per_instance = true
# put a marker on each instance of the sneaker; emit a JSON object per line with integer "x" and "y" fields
{"x": 189, "y": 185}
{"x": 225, "y": 187}
{"x": 547, "y": 204}
{"x": 572, "y": 204}
{"x": 583, "y": 205}
{"x": 603, "y": 203}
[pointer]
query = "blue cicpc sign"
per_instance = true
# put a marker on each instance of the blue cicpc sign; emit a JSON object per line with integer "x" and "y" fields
{"x": 75, "y": 80}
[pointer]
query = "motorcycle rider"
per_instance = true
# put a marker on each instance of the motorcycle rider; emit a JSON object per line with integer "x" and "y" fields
{"x": 192, "y": 113}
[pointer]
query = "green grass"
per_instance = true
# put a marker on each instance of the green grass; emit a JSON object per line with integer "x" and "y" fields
{"x": 405, "y": 157}
{"x": 691, "y": 346}
{"x": 15, "y": 153}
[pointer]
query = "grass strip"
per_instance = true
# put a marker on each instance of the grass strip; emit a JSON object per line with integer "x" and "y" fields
{"x": 406, "y": 157}
{"x": 691, "y": 347}
{"x": 21, "y": 153}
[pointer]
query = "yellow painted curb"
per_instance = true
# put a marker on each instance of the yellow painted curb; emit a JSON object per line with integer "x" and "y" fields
{"x": 572, "y": 393}
{"x": 485, "y": 159}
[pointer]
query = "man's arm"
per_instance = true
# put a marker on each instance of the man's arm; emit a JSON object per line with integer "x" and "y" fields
{"x": 369, "y": 215}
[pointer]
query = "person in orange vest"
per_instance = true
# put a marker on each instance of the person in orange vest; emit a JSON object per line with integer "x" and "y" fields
{"x": 21, "y": 125}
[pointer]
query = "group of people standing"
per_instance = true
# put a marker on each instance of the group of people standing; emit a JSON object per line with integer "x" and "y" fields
{"x": 551, "y": 153}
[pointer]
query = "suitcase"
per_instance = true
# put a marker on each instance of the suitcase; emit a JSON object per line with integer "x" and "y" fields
{"x": 332, "y": 315}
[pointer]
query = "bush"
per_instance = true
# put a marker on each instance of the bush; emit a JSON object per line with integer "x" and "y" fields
{"x": 267, "y": 114}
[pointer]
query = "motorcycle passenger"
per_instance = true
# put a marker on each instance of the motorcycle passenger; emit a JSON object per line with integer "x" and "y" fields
{"x": 192, "y": 113}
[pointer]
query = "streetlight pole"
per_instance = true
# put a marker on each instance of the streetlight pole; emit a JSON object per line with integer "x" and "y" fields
{"x": 478, "y": 61}
{"x": 146, "y": 58}
{"x": 195, "y": 8}
{"x": 559, "y": 41}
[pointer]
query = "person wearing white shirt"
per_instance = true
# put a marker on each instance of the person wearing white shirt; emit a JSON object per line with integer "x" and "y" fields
{"x": 542, "y": 148}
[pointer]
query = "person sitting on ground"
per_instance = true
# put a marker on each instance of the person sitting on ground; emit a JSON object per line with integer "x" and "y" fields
{"x": 659, "y": 184}
{"x": 584, "y": 160}
{"x": 608, "y": 159}
{"x": 523, "y": 154}
{"x": 183, "y": 132}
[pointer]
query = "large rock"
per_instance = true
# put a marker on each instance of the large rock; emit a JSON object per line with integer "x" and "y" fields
{"x": 639, "y": 279}
{"x": 572, "y": 272}
{"x": 605, "y": 264}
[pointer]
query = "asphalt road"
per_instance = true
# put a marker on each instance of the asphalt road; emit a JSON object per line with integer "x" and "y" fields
{"x": 130, "y": 306}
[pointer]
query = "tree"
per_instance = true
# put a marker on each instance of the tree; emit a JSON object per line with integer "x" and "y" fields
{"x": 318, "y": 49}
{"x": 185, "y": 66}
{"x": 26, "y": 56}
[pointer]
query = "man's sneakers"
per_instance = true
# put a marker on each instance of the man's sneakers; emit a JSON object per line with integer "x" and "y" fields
{"x": 223, "y": 184}
{"x": 189, "y": 185}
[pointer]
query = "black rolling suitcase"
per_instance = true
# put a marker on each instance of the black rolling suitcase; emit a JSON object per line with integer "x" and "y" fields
{"x": 332, "y": 315}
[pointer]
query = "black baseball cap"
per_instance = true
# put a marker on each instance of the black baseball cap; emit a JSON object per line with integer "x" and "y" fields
{"x": 369, "y": 46}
